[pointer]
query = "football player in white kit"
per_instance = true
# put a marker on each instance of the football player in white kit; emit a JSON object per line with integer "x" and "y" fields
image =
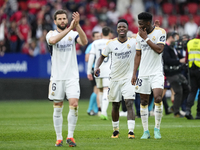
{"x": 122, "y": 50}
{"x": 103, "y": 80}
{"x": 149, "y": 48}
{"x": 64, "y": 71}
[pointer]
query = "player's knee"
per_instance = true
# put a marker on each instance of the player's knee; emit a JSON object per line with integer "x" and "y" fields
{"x": 143, "y": 102}
{"x": 57, "y": 104}
{"x": 115, "y": 106}
{"x": 75, "y": 104}
{"x": 129, "y": 104}
{"x": 158, "y": 99}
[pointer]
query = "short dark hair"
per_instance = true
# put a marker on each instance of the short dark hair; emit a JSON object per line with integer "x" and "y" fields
{"x": 122, "y": 20}
{"x": 93, "y": 33}
{"x": 60, "y": 11}
{"x": 145, "y": 16}
{"x": 173, "y": 34}
{"x": 105, "y": 31}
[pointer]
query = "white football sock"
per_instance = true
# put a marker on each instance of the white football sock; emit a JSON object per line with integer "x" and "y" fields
{"x": 100, "y": 98}
{"x": 158, "y": 114}
{"x": 58, "y": 121}
{"x": 72, "y": 119}
{"x": 115, "y": 125}
{"x": 144, "y": 116}
{"x": 105, "y": 102}
{"x": 131, "y": 125}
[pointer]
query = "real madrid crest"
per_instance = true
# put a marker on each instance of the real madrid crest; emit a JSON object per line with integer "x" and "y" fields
{"x": 136, "y": 87}
{"x": 128, "y": 46}
{"x": 153, "y": 38}
{"x": 70, "y": 39}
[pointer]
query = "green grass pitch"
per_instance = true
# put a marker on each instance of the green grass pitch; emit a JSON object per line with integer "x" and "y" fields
{"x": 28, "y": 125}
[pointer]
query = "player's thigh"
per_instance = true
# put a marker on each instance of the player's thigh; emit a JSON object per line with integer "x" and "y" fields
{"x": 143, "y": 85}
{"x": 157, "y": 81}
{"x": 114, "y": 91}
{"x": 128, "y": 90}
{"x": 72, "y": 88}
{"x": 99, "y": 82}
{"x": 106, "y": 82}
{"x": 56, "y": 90}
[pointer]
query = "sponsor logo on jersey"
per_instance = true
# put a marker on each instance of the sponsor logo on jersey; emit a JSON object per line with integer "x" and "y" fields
{"x": 116, "y": 48}
{"x": 153, "y": 38}
{"x": 128, "y": 46}
{"x": 70, "y": 39}
{"x": 162, "y": 38}
{"x": 142, "y": 40}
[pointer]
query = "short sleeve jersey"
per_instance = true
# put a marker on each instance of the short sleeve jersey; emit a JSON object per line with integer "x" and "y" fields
{"x": 151, "y": 62}
{"x": 97, "y": 47}
{"x": 63, "y": 56}
{"x": 122, "y": 58}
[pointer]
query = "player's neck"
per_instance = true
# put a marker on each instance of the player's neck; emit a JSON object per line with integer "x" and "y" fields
{"x": 122, "y": 40}
{"x": 150, "y": 29}
{"x": 105, "y": 37}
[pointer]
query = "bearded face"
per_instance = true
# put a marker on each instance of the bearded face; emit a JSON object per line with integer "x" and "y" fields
{"x": 61, "y": 21}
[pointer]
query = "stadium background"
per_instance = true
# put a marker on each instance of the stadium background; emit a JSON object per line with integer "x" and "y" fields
{"x": 24, "y": 58}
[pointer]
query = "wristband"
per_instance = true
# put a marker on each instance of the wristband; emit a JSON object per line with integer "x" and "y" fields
{"x": 147, "y": 39}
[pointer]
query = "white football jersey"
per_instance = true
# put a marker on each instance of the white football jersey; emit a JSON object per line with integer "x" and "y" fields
{"x": 63, "y": 56}
{"x": 122, "y": 58}
{"x": 97, "y": 47}
{"x": 151, "y": 62}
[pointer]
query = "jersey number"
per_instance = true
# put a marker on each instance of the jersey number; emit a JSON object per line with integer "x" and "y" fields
{"x": 53, "y": 86}
{"x": 106, "y": 59}
{"x": 139, "y": 82}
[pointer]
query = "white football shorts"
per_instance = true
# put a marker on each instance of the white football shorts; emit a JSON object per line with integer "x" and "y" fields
{"x": 102, "y": 82}
{"x": 117, "y": 89}
{"x": 58, "y": 89}
{"x": 144, "y": 84}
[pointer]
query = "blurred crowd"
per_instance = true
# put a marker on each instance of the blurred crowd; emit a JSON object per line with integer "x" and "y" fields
{"x": 24, "y": 23}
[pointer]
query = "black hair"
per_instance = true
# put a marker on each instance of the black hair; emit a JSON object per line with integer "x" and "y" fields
{"x": 122, "y": 20}
{"x": 106, "y": 30}
{"x": 93, "y": 33}
{"x": 145, "y": 16}
{"x": 58, "y": 12}
{"x": 173, "y": 34}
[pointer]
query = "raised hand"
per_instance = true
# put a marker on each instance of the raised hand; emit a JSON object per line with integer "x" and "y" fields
{"x": 72, "y": 25}
{"x": 157, "y": 23}
{"x": 76, "y": 18}
{"x": 143, "y": 33}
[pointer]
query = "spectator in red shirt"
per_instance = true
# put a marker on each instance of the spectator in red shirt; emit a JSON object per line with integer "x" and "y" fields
{"x": 128, "y": 16}
{"x": 87, "y": 28}
{"x": 24, "y": 31}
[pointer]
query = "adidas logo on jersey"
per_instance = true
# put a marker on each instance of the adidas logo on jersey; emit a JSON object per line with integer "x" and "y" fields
{"x": 116, "y": 48}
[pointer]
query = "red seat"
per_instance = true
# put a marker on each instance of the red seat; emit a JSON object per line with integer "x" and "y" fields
{"x": 160, "y": 18}
{"x": 172, "y": 20}
{"x": 197, "y": 19}
{"x": 183, "y": 19}
{"x": 192, "y": 8}
{"x": 167, "y": 8}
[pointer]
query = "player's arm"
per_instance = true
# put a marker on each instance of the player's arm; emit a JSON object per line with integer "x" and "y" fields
{"x": 158, "y": 48}
{"x": 87, "y": 57}
{"x": 82, "y": 39}
{"x": 90, "y": 63}
{"x": 99, "y": 62}
{"x": 55, "y": 39}
{"x": 136, "y": 65}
